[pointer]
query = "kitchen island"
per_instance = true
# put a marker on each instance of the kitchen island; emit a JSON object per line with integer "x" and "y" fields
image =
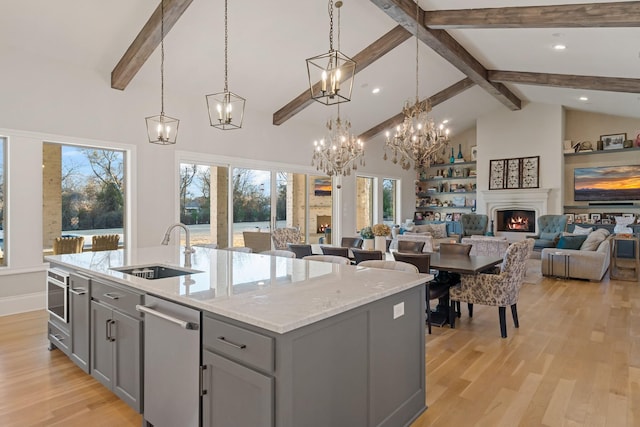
{"x": 282, "y": 342}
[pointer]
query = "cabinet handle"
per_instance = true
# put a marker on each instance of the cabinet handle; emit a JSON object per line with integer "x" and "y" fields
{"x": 201, "y": 385}
{"x": 111, "y": 337}
{"x": 58, "y": 337}
{"x": 182, "y": 323}
{"x": 232, "y": 344}
{"x": 78, "y": 291}
{"x": 112, "y": 295}
{"x": 107, "y": 330}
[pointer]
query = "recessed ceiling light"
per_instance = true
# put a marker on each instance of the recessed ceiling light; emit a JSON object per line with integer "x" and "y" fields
{"x": 376, "y": 90}
{"x": 583, "y": 98}
{"x": 445, "y": 121}
{"x": 559, "y": 46}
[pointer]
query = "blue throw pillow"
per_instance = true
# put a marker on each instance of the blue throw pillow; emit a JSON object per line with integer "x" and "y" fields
{"x": 571, "y": 242}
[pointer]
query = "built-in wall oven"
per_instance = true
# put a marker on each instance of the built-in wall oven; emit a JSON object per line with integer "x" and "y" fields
{"x": 58, "y": 293}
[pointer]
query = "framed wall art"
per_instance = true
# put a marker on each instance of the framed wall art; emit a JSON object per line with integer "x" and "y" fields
{"x": 520, "y": 172}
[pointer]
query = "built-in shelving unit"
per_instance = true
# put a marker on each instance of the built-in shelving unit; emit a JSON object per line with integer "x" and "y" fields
{"x": 446, "y": 188}
{"x": 598, "y": 152}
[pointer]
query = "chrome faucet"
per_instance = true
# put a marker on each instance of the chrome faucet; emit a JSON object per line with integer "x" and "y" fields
{"x": 187, "y": 250}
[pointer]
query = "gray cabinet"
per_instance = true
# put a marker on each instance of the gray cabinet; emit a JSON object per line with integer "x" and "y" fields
{"x": 116, "y": 341}
{"x": 79, "y": 319}
{"x": 234, "y": 395}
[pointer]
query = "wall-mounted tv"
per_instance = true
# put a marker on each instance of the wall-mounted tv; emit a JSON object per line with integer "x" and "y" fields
{"x": 606, "y": 183}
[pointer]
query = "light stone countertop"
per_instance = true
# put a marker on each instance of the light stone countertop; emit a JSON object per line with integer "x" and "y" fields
{"x": 274, "y": 293}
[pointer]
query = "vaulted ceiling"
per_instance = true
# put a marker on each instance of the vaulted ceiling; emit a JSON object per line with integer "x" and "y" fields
{"x": 498, "y": 55}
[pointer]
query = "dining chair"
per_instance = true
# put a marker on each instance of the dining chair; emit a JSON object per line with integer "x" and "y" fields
{"x": 283, "y": 236}
{"x": 410, "y": 246}
{"x": 279, "y": 252}
{"x": 68, "y": 245}
{"x": 360, "y": 255}
{"x": 301, "y": 250}
{"x": 334, "y": 259}
{"x": 390, "y": 265}
{"x": 243, "y": 249}
{"x": 453, "y": 278}
{"x": 105, "y": 242}
{"x": 434, "y": 289}
{"x": 499, "y": 290}
{"x": 351, "y": 242}
{"x": 335, "y": 250}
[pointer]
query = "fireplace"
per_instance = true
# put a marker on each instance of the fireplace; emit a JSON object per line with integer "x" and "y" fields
{"x": 516, "y": 220}
{"x": 323, "y": 222}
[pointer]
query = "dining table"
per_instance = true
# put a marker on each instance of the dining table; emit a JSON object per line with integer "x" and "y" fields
{"x": 461, "y": 264}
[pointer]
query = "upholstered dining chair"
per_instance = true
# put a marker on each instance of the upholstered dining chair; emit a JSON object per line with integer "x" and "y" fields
{"x": 351, "y": 242}
{"x": 453, "y": 278}
{"x": 474, "y": 224}
{"x": 410, "y": 246}
{"x": 499, "y": 290}
{"x": 390, "y": 265}
{"x": 434, "y": 290}
{"x": 334, "y": 259}
{"x": 68, "y": 245}
{"x": 360, "y": 255}
{"x": 282, "y": 236}
{"x": 279, "y": 252}
{"x": 105, "y": 242}
{"x": 301, "y": 250}
{"x": 335, "y": 250}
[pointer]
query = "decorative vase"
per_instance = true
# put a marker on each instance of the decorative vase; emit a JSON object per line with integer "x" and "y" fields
{"x": 452, "y": 158}
{"x": 381, "y": 243}
{"x": 367, "y": 244}
{"x": 460, "y": 151}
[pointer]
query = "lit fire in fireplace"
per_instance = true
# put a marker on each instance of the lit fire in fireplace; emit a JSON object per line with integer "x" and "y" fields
{"x": 518, "y": 223}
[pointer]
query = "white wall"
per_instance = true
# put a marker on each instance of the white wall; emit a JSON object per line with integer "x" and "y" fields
{"x": 536, "y": 130}
{"x": 50, "y": 101}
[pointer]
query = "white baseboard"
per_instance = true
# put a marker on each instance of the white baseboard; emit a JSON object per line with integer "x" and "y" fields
{"x": 22, "y": 303}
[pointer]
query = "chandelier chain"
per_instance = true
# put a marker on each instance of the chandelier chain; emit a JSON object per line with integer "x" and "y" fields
{"x": 331, "y": 26}
{"x": 162, "y": 58}
{"x": 226, "y": 42}
{"x": 417, "y": 47}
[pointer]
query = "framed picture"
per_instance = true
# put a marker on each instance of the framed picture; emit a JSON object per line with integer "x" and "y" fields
{"x": 629, "y": 215}
{"x": 417, "y": 216}
{"x": 595, "y": 218}
{"x": 449, "y": 217}
{"x": 496, "y": 174}
{"x": 614, "y": 141}
{"x": 474, "y": 153}
{"x": 605, "y": 221}
{"x": 436, "y": 216}
{"x": 570, "y": 218}
{"x": 581, "y": 218}
{"x": 520, "y": 172}
{"x": 322, "y": 187}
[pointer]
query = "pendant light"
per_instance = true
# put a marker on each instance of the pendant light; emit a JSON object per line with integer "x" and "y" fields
{"x": 226, "y": 109}
{"x": 162, "y": 129}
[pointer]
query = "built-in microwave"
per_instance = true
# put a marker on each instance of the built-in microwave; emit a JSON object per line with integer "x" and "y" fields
{"x": 58, "y": 293}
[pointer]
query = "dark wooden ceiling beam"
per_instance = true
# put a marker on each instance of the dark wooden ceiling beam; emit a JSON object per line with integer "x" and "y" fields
{"x": 436, "y": 99}
{"x": 146, "y": 42}
{"x": 620, "y": 14}
{"x": 610, "y": 84}
{"x": 363, "y": 59}
{"x": 404, "y": 13}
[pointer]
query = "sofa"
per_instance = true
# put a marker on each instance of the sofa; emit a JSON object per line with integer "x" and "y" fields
{"x": 588, "y": 255}
{"x": 437, "y": 231}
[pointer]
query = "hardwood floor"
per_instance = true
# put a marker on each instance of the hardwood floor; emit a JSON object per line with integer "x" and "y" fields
{"x": 574, "y": 361}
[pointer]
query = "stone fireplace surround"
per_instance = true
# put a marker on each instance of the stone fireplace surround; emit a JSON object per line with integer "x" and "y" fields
{"x": 535, "y": 199}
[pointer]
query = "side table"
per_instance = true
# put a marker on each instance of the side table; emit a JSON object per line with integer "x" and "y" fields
{"x": 625, "y": 268}
{"x": 564, "y": 259}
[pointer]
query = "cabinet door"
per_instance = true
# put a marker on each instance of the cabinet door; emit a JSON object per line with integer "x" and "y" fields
{"x": 235, "y": 395}
{"x": 127, "y": 378}
{"x": 79, "y": 320}
{"x": 101, "y": 345}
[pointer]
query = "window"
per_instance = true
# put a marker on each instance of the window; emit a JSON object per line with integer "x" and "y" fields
{"x": 389, "y": 201}
{"x": 83, "y": 192}
{"x": 3, "y": 208}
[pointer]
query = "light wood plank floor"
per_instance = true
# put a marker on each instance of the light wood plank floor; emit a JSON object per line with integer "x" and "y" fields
{"x": 574, "y": 361}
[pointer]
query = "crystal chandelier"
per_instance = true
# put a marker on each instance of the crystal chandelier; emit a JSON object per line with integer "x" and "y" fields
{"x": 417, "y": 139}
{"x": 226, "y": 109}
{"x": 328, "y": 72}
{"x": 340, "y": 152}
{"x": 162, "y": 129}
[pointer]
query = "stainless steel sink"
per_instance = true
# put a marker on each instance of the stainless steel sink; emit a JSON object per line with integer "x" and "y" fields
{"x": 156, "y": 271}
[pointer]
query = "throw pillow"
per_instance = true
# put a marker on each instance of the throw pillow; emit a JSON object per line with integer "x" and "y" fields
{"x": 594, "y": 239}
{"x": 571, "y": 242}
{"x": 548, "y": 236}
{"x": 438, "y": 231}
{"x": 582, "y": 230}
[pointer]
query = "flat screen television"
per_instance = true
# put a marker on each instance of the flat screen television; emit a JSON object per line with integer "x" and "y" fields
{"x": 606, "y": 183}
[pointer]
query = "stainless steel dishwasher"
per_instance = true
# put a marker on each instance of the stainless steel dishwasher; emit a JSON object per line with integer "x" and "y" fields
{"x": 171, "y": 363}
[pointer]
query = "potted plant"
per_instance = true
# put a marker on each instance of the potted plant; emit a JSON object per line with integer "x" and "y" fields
{"x": 381, "y": 231}
{"x": 367, "y": 238}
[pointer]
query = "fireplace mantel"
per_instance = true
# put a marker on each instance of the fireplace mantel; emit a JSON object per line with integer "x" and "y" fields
{"x": 535, "y": 199}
